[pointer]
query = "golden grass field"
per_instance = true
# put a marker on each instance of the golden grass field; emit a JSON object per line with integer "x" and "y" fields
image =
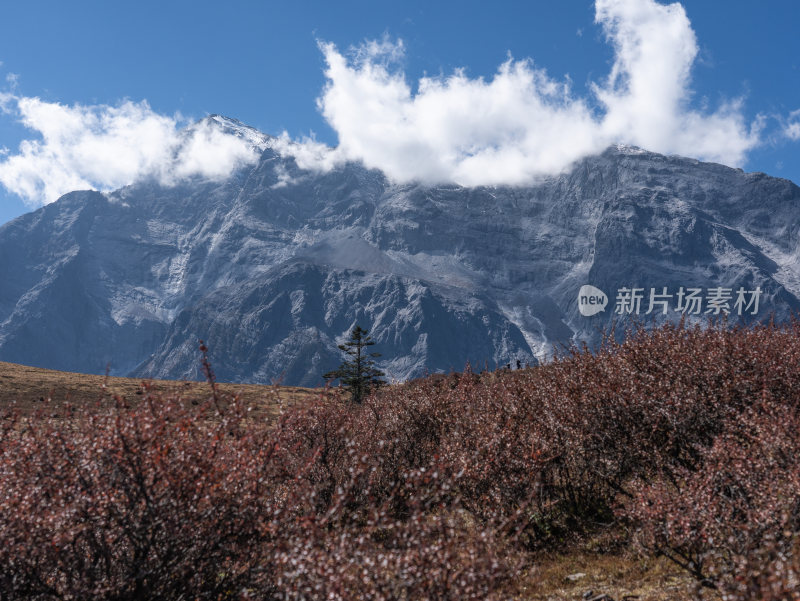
{"x": 29, "y": 389}
{"x": 623, "y": 576}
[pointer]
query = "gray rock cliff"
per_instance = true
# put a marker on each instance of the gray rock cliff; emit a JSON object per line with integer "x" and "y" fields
{"x": 275, "y": 265}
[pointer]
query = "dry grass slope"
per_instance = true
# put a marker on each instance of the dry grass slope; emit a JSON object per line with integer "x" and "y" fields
{"x": 29, "y": 389}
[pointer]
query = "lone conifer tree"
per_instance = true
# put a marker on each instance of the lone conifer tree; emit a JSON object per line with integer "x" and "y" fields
{"x": 357, "y": 372}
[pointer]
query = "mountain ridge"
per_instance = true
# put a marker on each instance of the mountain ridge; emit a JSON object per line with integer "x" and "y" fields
{"x": 275, "y": 264}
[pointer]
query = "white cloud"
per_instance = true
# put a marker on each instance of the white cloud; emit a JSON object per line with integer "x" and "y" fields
{"x": 212, "y": 153}
{"x": 510, "y": 129}
{"x": 522, "y": 123}
{"x": 106, "y": 147}
{"x": 792, "y": 127}
{"x": 308, "y": 153}
{"x": 647, "y": 93}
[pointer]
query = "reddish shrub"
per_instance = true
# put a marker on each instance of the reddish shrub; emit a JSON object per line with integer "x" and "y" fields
{"x": 430, "y": 489}
{"x": 771, "y": 573}
{"x": 552, "y": 449}
{"x": 145, "y": 502}
{"x": 741, "y": 504}
{"x": 159, "y": 502}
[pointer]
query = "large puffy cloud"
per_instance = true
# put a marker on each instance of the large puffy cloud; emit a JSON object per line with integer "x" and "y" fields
{"x": 509, "y": 129}
{"x": 522, "y": 123}
{"x": 455, "y": 129}
{"x": 647, "y": 93}
{"x": 105, "y": 147}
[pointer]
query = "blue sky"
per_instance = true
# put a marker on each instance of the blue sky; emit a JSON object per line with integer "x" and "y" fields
{"x": 261, "y": 62}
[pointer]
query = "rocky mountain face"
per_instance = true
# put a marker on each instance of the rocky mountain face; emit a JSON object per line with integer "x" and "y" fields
{"x": 275, "y": 265}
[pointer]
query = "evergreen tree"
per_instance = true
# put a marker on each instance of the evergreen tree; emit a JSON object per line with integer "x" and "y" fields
{"x": 357, "y": 372}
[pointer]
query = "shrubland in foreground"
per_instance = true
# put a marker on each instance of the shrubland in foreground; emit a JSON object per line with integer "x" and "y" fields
{"x": 680, "y": 442}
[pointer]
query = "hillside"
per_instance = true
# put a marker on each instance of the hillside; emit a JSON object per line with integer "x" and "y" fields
{"x": 661, "y": 468}
{"x": 29, "y": 389}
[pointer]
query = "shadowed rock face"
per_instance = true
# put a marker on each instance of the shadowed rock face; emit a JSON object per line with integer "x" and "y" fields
{"x": 274, "y": 266}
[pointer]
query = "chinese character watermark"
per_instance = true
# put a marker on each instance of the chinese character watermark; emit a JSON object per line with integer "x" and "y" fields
{"x": 663, "y": 301}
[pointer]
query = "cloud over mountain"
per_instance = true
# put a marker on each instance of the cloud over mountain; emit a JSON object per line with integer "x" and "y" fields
{"x": 516, "y": 126}
{"x": 105, "y": 147}
{"x": 523, "y": 123}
